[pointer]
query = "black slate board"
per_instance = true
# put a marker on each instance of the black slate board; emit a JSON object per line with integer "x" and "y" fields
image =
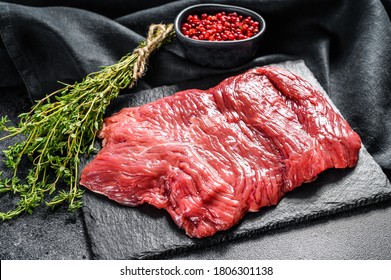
{"x": 119, "y": 232}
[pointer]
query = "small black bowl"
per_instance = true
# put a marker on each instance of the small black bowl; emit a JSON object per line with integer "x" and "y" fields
{"x": 219, "y": 54}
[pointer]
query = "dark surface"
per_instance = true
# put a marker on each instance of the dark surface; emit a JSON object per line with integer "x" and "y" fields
{"x": 361, "y": 234}
{"x": 47, "y": 234}
{"x": 146, "y": 232}
{"x": 344, "y": 43}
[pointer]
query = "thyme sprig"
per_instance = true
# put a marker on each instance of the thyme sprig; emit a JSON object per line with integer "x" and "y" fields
{"x": 63, "y": 126}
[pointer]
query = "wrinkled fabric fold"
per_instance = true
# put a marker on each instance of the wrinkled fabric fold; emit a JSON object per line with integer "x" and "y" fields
{"x": 345, "y": 44}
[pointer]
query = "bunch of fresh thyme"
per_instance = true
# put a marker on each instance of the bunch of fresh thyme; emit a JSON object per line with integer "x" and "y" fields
{"x": 63, "y": 126}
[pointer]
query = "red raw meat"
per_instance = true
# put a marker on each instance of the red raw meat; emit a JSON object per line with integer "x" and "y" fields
{"x": 208, "y": 157}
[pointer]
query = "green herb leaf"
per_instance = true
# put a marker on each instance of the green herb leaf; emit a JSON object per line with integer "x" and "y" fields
{"x": 63, "y": 126}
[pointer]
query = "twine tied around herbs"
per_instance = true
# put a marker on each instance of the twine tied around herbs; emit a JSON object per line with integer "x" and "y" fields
{"x": 157, "y": 35}
{"x": 62, "y": 127}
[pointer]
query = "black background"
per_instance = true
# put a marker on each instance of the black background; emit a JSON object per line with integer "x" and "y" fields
{"x": 346, "y": 44}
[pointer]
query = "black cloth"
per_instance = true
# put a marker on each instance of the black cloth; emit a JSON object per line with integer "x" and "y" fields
{"x": 345, "y": 43}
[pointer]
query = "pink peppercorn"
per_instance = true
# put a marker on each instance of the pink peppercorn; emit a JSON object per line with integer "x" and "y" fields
{"x": 220, "y": 27}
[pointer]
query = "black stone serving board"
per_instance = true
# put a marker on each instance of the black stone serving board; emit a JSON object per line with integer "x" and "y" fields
{"x": 119, "y": 232}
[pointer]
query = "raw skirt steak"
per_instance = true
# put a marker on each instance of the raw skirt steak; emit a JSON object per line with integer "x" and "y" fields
{"x": 208, "y": 157}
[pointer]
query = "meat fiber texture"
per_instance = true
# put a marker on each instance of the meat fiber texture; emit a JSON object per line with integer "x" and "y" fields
{"x": 210, "y": 156}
